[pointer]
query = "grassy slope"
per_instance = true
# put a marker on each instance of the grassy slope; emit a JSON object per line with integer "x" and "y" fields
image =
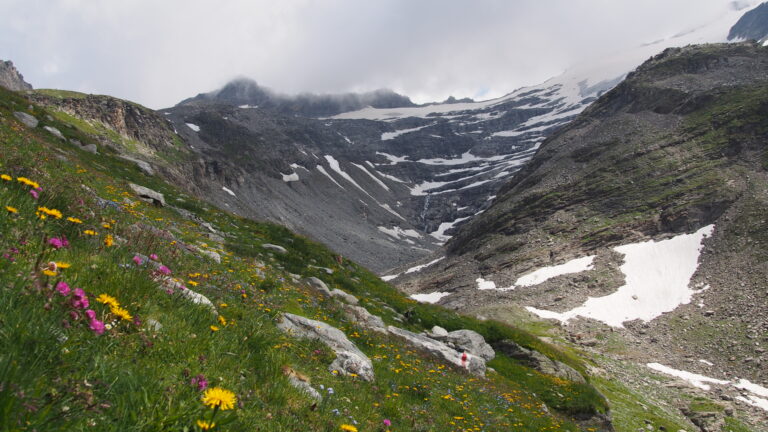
{"x": 57, "y": 374}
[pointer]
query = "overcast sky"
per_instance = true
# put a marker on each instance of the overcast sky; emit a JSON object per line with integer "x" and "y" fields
{"x": 158, "y": 52}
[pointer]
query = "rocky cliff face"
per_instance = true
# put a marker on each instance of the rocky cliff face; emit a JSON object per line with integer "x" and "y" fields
{"x": 677, "y": 152}
{"x": 753, "y": 25}
{"x": 11, "y": 79}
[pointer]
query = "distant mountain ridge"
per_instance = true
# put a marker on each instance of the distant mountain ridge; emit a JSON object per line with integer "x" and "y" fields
{"x": 247, "y": 92}
{"x": 752, "y": 25}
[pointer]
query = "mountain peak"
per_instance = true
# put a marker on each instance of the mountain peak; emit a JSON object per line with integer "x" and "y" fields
{"x": 10, "y": 77}
{"x": 752, "y": 25}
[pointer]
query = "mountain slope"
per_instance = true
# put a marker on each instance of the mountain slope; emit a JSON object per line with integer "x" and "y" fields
{"x": 676, "y": 153}
{"x": 753, "y": 25}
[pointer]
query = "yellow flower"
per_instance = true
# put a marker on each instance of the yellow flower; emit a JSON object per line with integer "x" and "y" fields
{"x": 214, "y": 328}
{"x": 28, "y": 182}
{"x": 11, "y": 209}
{"x": 107, "y": 300}
{"x": 218, "y": 397}
{"x": 6, "y": 177}
{"x": 193, "y": 283}
{"x": 222, "y": 320}
{"x": 204, "y": 425}
{"x": 90, "y": 232}
{"x": 50, "y": 212}
{"x": 109, "y": 241}
{"x": 63, "y": 265}
{"x": 106, "y": 225}
{"x": 121, "y": 313}
{"x": 49, "y": 272}
{"x": 74, "y": 220}
{"x": 348, "y": 428}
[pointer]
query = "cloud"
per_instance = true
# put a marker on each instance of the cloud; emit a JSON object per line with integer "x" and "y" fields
{"x": 159, "y": 52}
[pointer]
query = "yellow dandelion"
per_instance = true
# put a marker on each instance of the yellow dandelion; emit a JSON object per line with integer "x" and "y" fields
{"x": 109, "y": 241}
{"x": 121, "y": 313}
{"x": 49, "y": 272}
{"x": 214, "y": 328}
{"x": 348, "y": 428}
{"x": 11, "y": 209}
{"x": 74, "y": 220}
{"x": 63, "y": 265}
{"x": 28, "y": 182}
{"x": 50, "y": 212}
{"x": 6, "y": 177}
{"x": 107, "y": 300}
{"x": 222, "y": 320}
{"x": 106, "y": 225}
{"x": 90, "y": 232}
{"x": 218, "y": 397}
{"x": 193, "y": 283}
{"x": 204, "y": 425}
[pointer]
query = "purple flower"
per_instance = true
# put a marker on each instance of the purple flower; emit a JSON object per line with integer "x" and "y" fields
{"x": 79, "y": 299}
{"x": 97, "y": 326}
{"x": 153, "y": 257}
{"x": 164, "y": 270}
{"x": 34, "y": 194}
{"x": 200, "y": 382}
{"x": 387, "y": 423}
{"x": 56, "y": 242}
{"x": 137, "y": 259}
{"x": 63, "y": 288}
{"x": 90, "y": 314}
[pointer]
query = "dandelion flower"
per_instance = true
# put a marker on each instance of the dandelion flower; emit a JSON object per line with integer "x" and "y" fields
{"x": 50, "y": 212}
{"x": 121, "y": 313}
{"x": 11, "y": 209}
{"x": 62, "y": 265}
{"x": 348, "y": 428}
{"x": 204, "y": 425}
{"x": 214, "y": 328}
{"x": 49, "y": 272}
{"x": 90, "y": 232}
{"x": 27, "y": 182}
{"x": 218, "y": 397}
{"x": 74, "y": 220}
{"x": 222, "y": 320}
{"x": 109, "y": 240}
{"x": 107, "y": 300}
{"x": 6, "y": 177}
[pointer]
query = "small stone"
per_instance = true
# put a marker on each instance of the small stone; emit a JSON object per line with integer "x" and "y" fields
{"x": 55, "y": 132}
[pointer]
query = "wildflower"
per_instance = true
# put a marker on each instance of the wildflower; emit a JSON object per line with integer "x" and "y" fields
{"x": 164, "y": 270}
{"x": 137, "y": 260}
{"x": 80, "y": 300}
{"x": 222, "y": 320}
{"x": 107, "y": 300}
{"x": 35, "y": 195}
{"x": 121, "y": 313}
{"x": 348, "y": 428}
{"x": 63, "y": 288}
{"x": 62, "y": 265}
{"x": 204, "y": 425}
{"x": 214, "y": 328}
{"x": 91, "y": 314}
{"x": 74, "y": 220}
{"x": 6, "y": 177}
{"x": 50, "y": 212}
{"x": 106, "y": 226}
{"x": 56, "y": 242}
{"x": 387, "y": 422}
{"x": 49, "y": 272}
{"x": 153, "y": 257}
{"x": 200, "y": 382}
{"x": 109, "y": 240}
{"x": 90, "y": 232}
{"x": 218, "y": 397}
{"x": 11, "y": 209}
{"x": 191, "y": 282}
{"x": 27, "y": 182}
{"x": 97, "y": 326}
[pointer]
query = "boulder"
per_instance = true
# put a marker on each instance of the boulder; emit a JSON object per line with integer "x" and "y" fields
{"x": 437, "y": 332}
{"x": 538, "y": 361}
{"x": 90, "y": 148}
{"x": 346, "y": 297}
{"x": 148, "y": 194}
{"x": 467, "y": 340}
{"x": 473, "y": 364}
{"x": 318, "y": 285}
{"x": 210, "y": 254}
{"x": 304, "y": 387}
{"x": 275, "y": 248}
{"x": 26, "y": 119}
{"x": 349, "y": 359}
{"x": 360, "y": 315}
{"x": 144, "y": 166}
{"x": 55, "y": 132}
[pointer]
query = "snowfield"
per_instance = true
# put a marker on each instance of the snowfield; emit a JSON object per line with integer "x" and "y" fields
{"x": 429, "y": 298}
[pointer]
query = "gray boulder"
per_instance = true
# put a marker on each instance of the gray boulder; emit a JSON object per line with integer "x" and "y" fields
{"x": 318, "y": 285}
{"x": 147, "y": 194}
{"x": 473, "y": 364}
{"x": 305, "y": 387}
{"x": 437, "y": 332}
{"x": 55, "y": 132}
{"x": 467, "y": 340}
{"x": 349, "y": 359}
{"x": 346, "y": 297}
{"x": 26, "y": 119}
{"x": 360, "y": 315}
{"x": 210, "y": 254}
{"x": 144, "y": 166}
{"x": 538, "y": 361}
{"x": 275, "y": 248}
{"x": 90, "y": 148}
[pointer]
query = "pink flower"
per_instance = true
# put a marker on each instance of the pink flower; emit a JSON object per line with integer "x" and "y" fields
{"x": 153, "y": 257}
{"x": 90, "y": 314}
{"x": 63, "y": 288}
{"x": 97, "y": 326}
{"x": 56, "y": 242}
{"x": 200, "y": 382}
{"x": 64, "y": 241}
{"x": 164, "y": 270}
{"x": 137, "y": 259}
{"x": 79, "y": 299}
{"x": 387, "y": 423}
{"x": 34, "y": 194}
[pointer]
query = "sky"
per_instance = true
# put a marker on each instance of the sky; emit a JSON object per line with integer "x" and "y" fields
{"x": 158, "y": 52}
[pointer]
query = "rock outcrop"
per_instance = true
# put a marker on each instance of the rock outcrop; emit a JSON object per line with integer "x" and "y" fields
{"x": 538, "y": 361}
{"x": 11, "y": 79}
{"x": 466, "y": 340}
{"x": 349, "y": 359}
{"x": 472, "y": 363}
{"x": 148, "y": 194}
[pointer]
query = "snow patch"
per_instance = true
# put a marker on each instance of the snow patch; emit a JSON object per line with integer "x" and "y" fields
{"x": 433, "y": 297}
{"x": 399, "y": 233}
{"x": 394, "y": 160}
{"x": 334, "y": 164}
{"x": 752, "y": 388}
{"x": 657, "y": 278}
{"x": 227, "y": 190}
{"x": 381, "y": 183}
{"x": 193, "y": 126}
{"x": 322, "y": 170}
{"x": 695, "y": 380}
{"x": 423, "y": 266}
{"x": 392, "y": 135}
{"x": 577, "y": 265}
{"x": 292, "y": 177}
{"x": 445, "y": 226}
